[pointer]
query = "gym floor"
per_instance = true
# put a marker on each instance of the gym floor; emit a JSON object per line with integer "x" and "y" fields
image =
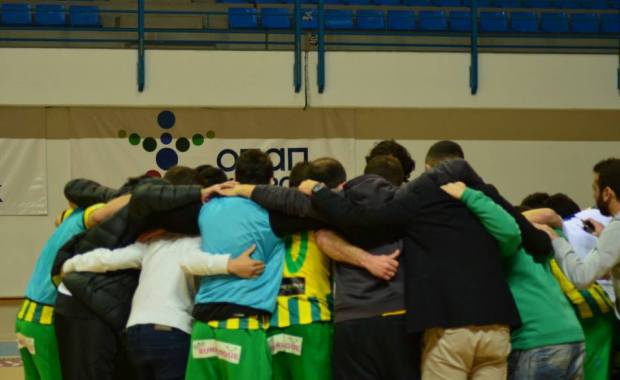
{"x": 10, "y": 364}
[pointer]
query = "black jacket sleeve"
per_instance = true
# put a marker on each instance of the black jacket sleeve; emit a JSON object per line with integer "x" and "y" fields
{"x": 285, "y": 200}
{"x": 85, "y": 193}
{"x": 534, "y": 241}
{"x": 284, "y": 225}
{"x": 390, "y": 219}
{"x": 148, "y": 199}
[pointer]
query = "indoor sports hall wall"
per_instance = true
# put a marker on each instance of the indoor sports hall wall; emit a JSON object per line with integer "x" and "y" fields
{"x": 520, "y": 151}
{"x": 539, "y": 121}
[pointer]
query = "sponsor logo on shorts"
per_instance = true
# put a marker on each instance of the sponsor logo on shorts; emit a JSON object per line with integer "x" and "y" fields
{"x": 211, "y": 348}
{"x": 25, "y": 342}
{"x": 285, "y": 343}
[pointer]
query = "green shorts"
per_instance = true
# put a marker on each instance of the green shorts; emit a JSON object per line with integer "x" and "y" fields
{"x": 38, "y": 350}
{"x": 599, "y": 340}
{"x": 301, "y": 352}
{"x": 221, "y": 354}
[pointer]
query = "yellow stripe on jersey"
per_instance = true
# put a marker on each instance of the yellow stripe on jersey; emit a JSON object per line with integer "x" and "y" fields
{"x": 22, "y": 311}
{"x": 599, "y": 302}
{"x": 253, "y": 322}
{"x": 305, "y": 294}
{"x": 282, "y": 316}
{"x": 305, "y": 312}
{"x": 89, "y": 212}
{"x": 232, "y": 324}
{"x": 46, "y": 315}
{"x": 30, "y": 313}
{"x": 392, "y": 313}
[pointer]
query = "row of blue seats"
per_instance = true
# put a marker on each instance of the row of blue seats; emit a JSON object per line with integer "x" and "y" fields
{"x": 50, "y": 15}
{"x": 435, "y": 21}
{"x": 565, "y": 4}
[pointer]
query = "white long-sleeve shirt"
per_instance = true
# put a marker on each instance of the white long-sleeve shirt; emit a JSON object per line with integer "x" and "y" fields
{"x": 583, "y": 242}
{"x": 165, "y": 293}
{"x": 601, "y": 260}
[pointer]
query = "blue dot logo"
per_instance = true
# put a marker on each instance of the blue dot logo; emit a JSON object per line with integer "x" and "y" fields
{"x": 166, "y": 157}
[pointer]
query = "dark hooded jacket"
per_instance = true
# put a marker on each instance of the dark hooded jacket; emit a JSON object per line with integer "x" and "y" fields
{"x": 454, "y": 277}
{"x": 359, "y": 294}
{"x": 109, "y": 295}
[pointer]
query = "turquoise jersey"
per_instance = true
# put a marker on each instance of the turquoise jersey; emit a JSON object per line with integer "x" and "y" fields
{"x": 41, "y": 289}
{"x": 231, "y": 225}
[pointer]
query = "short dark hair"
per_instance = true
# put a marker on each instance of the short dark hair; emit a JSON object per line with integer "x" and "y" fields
{"x": 535, "y": 200}
{"x": 327, "y": 170}
{"x": 609, "y": 175}
{"x": 392, "y": 148}
{"x": 563, "y": 205}
{"x": 298, "y": 174}
{"x": 254, "y": 167}
{"x": 387, "y": 167}
{"x": 182, "y": 175}
{"x": 442, "y": 151}
{"x": 210, "y": 175}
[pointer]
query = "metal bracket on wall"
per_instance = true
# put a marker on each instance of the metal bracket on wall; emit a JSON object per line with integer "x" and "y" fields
{"x": 140, "y": 45}
{"x": 473, "y": 67}
{"x": 297, "y": 64}
{"x": 320, "y": 78}
{"x": 618, "y": 74}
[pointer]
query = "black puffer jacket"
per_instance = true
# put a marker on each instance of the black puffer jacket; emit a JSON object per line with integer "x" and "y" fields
{"x": 84, "y": 192}
{"x": 535, "y": 242}
{"x": 109, "y": 295}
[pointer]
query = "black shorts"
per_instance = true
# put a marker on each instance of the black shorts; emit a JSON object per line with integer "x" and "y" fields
{"x": 376, "y": 348}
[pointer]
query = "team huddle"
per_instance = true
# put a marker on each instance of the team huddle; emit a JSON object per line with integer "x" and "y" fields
{"x": 195, "y": 276}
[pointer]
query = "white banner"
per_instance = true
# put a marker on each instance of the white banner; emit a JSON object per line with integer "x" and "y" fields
{"x": 112, "y": 161}
{"x": 23, "y": 182}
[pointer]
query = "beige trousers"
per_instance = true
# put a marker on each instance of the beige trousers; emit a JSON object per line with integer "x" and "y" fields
{"x": 473, "y": 352}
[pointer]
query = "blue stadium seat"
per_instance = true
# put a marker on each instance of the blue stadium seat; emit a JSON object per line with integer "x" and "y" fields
{"x": 84, "y": 15}
{"x": 537, "y": 3}
{"x": 358, "y": 2}
{"x": 266, "y": 1}
{"x": 433, "y": 21}
{"x": 418, "y": 3}
{"x": 493, "y": 22}
{"x": 481, "y": 3}
{"x": 401, "y": 20}
{"x": 460, "y": 21}
{"x": 275, "y": 18}
{"x": 448, "y": 3}
{"x": 524, "y": 22}
{"x": 370, "y": 19}
{"x": 610, "y": 23}
{"x": 234, "y": 1}
{"x": 50, "y": 15}
{"x": 242, "y": 18}
{"x": 338, "y": 19}
{"x": 568, "y": 4}
{"x": 16, "y": 14}
{"x": 309, "y": 19}
{"x": 391, "y": 2}
{"x": 614, "y": 4}
{"x": 594, "y": 4}
{"x": 507, "y": 3}
{"x": 554, "y": 22}
{"x": 584, "y": 23}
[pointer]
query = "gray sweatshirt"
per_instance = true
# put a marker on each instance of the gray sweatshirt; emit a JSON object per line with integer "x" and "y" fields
{"x": 602, "y": 259}
{"x": 358, "y": 294}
